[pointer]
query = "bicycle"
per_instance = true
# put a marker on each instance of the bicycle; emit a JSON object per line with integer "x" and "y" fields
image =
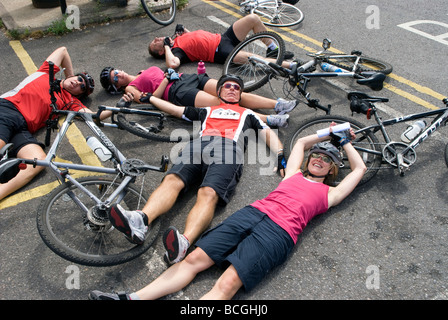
{"x": 249, "y": 61}
{"x": 162, "y": 12}
{"x": 377, "y": 155}
{"x": 274, "y": 13}
{"x": 72, "y": 219}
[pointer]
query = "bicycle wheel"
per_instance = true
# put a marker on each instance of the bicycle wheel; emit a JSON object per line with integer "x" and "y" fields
{"x": 168, "y": 129}
{"x": 446, "y": 154}
{"x": 254, "y": 75}
{"x": 365, "y": 63}
{"x": 365, "y": 141}
{"x": 161, "y": 11}
{"x": 86, "y": 236}
{"x": 279, "y": 14}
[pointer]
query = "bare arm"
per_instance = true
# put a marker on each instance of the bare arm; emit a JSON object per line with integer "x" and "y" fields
{"x": 171, "y": 60}
{"x": 61, "y": 58}
{"x": 273, "y": 142}
{"x": 167, "y": 107}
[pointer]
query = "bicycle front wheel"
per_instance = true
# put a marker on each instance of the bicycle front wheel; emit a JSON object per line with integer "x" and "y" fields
{"x": 254, "y": 74}
{"x": 279, "y": 14}
{"x": 73, "y": 227}
{"x": 160, "y": 11}
{"x": 165, "y": 129}
{"x": 366, "y": 143}
{"x": 347, "y": 62}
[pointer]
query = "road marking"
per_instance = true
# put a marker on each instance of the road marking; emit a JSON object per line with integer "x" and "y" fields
{"x": 439, "y": 38}
{"x": 390, "y": 87}
{"x": 74, "y": 136}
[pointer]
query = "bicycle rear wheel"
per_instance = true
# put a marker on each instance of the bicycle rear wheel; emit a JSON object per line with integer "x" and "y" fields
{"x": 254, "y": 75}
{"x": 365, "y": 63}
{"x": 88, "y": 238}
{"x": 366, "y": 143}
{"x": 167, "y": 129}
{"x": 161, "y": 11}
{"x": 279, "y": 14}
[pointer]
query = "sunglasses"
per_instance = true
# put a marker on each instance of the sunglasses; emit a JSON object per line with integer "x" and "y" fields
{"x": 116, "y": 76}
{"x": 82, "y": 85}
{"x": 324, "y": 158}
{"x": 236, "y": 87}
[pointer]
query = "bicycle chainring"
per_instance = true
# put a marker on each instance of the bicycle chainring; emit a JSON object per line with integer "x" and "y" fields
{"x": 392, "y": 150}
{"x": 132, "y": 167}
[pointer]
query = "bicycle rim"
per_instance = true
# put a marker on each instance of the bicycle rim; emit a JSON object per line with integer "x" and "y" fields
{"x": 160, "y": 11}
{"x": 281, "y": 15}
{"x": 254, "y": 75}
{"x": 365, "y": 140}
{"x": 171, "y": 129}
{"x": 365, "y": 63}
{"x": 89, "y": 238}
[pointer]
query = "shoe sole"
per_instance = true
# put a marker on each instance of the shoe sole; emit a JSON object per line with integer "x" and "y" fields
{"x": 171, "y": 243}
{"x": 283, "y": 112}
{"x": 119, "y": 221}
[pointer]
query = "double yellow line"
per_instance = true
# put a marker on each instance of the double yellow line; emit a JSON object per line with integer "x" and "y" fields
{"x": 388, "y": 86}
{"x": 74, "y": 135}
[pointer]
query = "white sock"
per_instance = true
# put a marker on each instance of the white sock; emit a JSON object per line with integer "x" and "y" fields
{"x": 134, "y": 296}
{"x": 272, "y": 46}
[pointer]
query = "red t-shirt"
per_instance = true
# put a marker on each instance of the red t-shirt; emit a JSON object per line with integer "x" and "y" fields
{"x": 198, "y": 45}
{"x": 32, "y": 98}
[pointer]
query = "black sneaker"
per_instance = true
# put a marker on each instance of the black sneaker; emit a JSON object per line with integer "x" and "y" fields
{"x": 98, "y": 295}
{"x": 272, "y": 53}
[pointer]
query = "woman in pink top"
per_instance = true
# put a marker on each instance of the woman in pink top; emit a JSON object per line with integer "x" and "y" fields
{"x": 196, "y": 90}
{"x": 259, "y": 237}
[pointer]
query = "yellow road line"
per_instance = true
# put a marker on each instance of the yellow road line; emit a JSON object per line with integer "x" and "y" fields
{"x": 407, "y": 95}
{"x": 74, "y": 136}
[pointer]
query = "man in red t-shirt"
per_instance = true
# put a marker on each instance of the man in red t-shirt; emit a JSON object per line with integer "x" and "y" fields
{"x": 198, "y": 45}
{"x": 25, "y": 109}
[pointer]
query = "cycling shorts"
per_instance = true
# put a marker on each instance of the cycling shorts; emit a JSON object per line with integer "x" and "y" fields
{"x": 228, "y": 42}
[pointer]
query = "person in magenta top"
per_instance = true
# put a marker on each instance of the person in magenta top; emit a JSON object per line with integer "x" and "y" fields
{"x": 266, "y": 230}
{"x": 196, "y": 90}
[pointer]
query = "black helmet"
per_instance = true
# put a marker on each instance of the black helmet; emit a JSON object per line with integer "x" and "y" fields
{"x": 229, "y": 77}
{"x": 90, "y": 84}
{"x": 328, "y": 149}
{"x": 105, "y": 81}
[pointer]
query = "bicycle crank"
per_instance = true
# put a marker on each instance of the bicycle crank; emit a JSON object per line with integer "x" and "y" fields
{"x": 399, "y": 155}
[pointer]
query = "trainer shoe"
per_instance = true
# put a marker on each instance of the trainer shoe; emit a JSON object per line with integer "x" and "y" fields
{"x": 284, "y": 106}
{"x": 98, "y": 295}
{"x": 277, "y": 120}
{"x": 176, "y": 245}
{"x": 272, "y": 53}
{"x": 134, "y": 224}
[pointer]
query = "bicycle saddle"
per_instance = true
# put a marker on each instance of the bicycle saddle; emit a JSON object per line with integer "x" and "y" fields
{"x": 374, "y": 80}
{"x": 365, "y": 97}
{"x": 9, "y": 168}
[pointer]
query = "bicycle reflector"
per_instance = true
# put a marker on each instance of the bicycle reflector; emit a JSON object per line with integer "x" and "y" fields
{"x": 9, "y": 168}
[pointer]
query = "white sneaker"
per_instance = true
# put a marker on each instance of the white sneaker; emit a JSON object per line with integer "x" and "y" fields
{"x": 134, "y": 224}
{"x": 284, "y": 106}
{"x": 277, "y": 120}
{"x": 176, "y": 245}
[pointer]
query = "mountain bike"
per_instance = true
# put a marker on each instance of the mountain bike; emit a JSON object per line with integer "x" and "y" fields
{"x": 73, "y": 219}
{"x": 387, "y": 153}
{"x": 162, "y": 12}
{"x": 274, "y": 13}
{"x": 251, "y": 60}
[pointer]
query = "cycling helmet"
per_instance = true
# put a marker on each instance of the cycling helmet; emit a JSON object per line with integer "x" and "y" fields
{"x": 90, "y": 84}
{"x": 229, "y": 77}
{"x": 329, "y": 149}
{"x": 105, "y": 81}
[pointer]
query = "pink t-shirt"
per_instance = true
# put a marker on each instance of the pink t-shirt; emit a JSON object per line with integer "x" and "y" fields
{"x": 294, "y": 203}
{"x": 149, "y": 80}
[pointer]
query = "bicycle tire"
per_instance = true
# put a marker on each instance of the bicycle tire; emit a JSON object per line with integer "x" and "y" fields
{"x": 67, "y": 231}
{"x": 446, "y": 154}
{"x": 254, "y": 76}
{"x": 285, "y": 15}
{"x": 148, "y": 127}
{"x": 365, "y": 63}
{"x": 162, "y": 13}
{"x": 372, "y": 161}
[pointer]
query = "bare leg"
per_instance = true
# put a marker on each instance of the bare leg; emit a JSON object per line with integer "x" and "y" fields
{"x": 29, "y": 151}
{"x": 226, "y": 286}
{"x": 177, "y": 276}
{"x": 248, "y": 23}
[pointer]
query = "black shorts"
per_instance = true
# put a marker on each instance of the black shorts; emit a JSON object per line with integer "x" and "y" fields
{"x": 13, "y": 128}
{"x": 228, "y": 42}
{"x": 250, "y": 241}
{"x": 212, "y": 163}
{"x": 183, "y": 92}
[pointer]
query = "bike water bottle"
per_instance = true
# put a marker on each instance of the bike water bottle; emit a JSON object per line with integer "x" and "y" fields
{"x": 100, "y": 150}
{"x": 329, "y": 67}
{"x": 201, "y": 67}
{"x": 412, "y": 131}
